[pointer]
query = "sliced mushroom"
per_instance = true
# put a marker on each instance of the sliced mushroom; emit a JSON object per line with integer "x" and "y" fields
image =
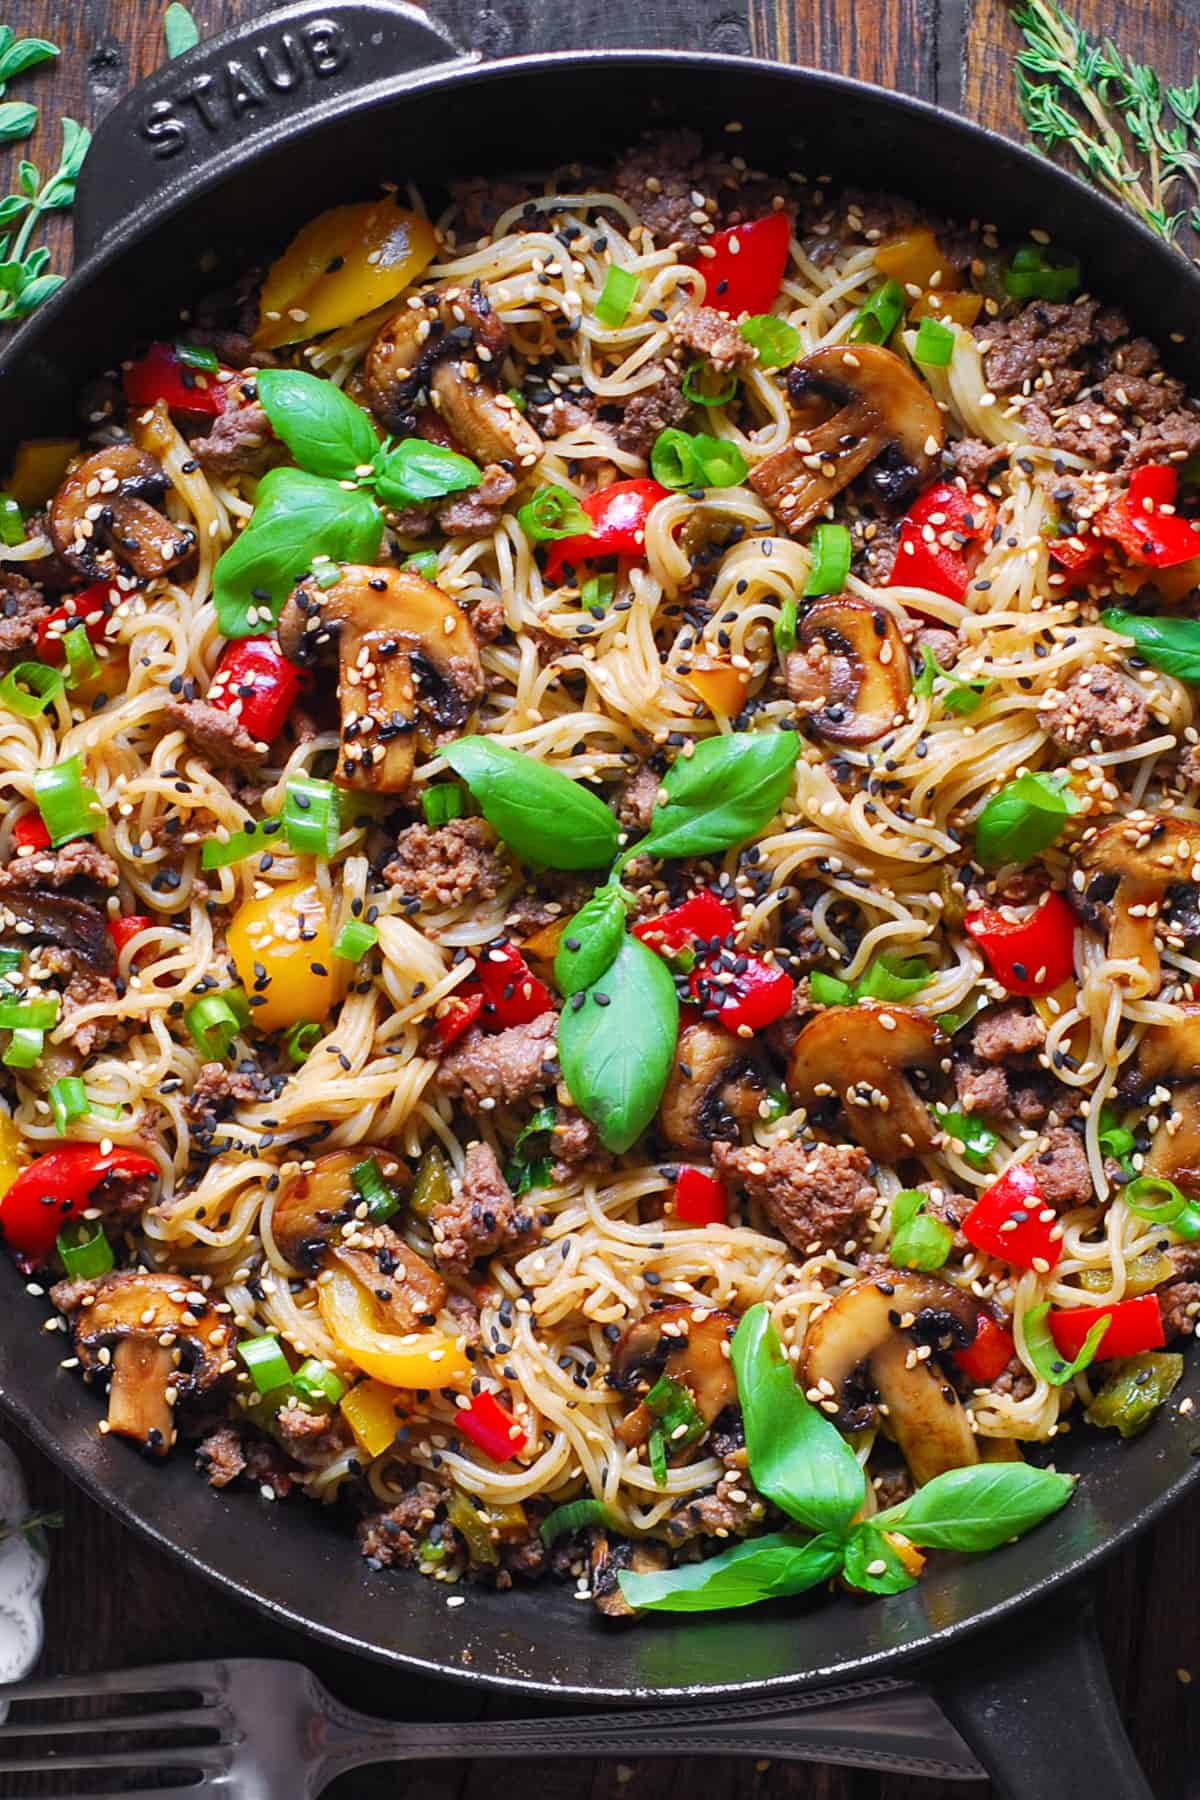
{"x": 446, "y": 353}
{"x": 161, "y": 1339}
{"x": 61, "y": 920}
{"x": 408, "y": 664}
{"x": 110, "y": 506}
{"x": 869, "y": 411}
{"x": 713, "y": 1089}
{"x": 1124, "y": 873}
{"x": 862, "y": 1351}
{"x": 849, "y": 671}
{"x": 691, "y": 1350}
{"x": 1168, "y": 1055}
{"x": 608, "y": 1556}
{"x": 862, "y": 1054}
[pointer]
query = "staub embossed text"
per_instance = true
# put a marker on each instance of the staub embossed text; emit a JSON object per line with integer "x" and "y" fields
{"x": 252, "y": 82}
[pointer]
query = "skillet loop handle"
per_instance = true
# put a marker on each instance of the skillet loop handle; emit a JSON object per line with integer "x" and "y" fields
{"x": 204, "y": 111}
{"x": 1036, "y": 1705}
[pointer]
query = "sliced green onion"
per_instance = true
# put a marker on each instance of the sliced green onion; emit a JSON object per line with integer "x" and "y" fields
{"x": 934, "y": 345}
{"x": 722, "y": 464}
{"x": 239, "y": 1006}
{"x": 82, "y": 661}
{"x": 218, "y": 853}
{"x": 311, "y": 818}
{"x": 1174, "y": 1209}
{"x": 68, "y": 1100}
{"x": 198, "y": 356}
{"x": 1036, "y": 272}
{"x": 300, "y": 1040}
{"x": 680, "y": 461}
{"x": 785, "y": 626}
{"x": 657, "y": 1452}
{"x": 12, "y": 521}
{"x": 213, "y": 1025}
{"x": 354, "y": 940}
{"x": 829, "y": 990}
{"x": 571, "y": 1516}
{"x": 777, "y": 342}
{"x": 553, "y": 513}
{"x": 10, "y": 961}
{"x": 266, "y": 1362}
{"x": 25, "y": 1049}
{"x": 776, "y": 1103}
{"x": 620, "y": 285}
{"x": 518, "y": 399}
{"x": 370, "y": 1186}
{"x": 29, "y": 1015}
{"x": 442, "y": 802}
{"x": 977, "y": 1139}
{"x": 84, "y": 1249}
{"x": 595, "y": 594}
{"x": 423, "y": 562}
{"x": 67, "y": 804}
{"x": 830, "y": 548}
{"x": 327, "y": 575}
{"x": 693, "y": 389}
{"x": 879, "y": 316}
{"x": 30, "y": 687}
{"x": 317, "y": 1384}
{"x": 672, "y": 1403}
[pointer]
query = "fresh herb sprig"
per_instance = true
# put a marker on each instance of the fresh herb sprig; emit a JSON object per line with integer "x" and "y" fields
{"x": 1135, "y": 138}
{"x": 24, "y": 281}
{"x": 39, "y": 1521}
{"x": 17, "y": 56}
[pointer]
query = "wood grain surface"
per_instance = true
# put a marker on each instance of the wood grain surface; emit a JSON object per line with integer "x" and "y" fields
{"x": 111, "y": 1600}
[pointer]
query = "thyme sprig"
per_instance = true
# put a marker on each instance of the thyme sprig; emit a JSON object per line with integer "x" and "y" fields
{"x": 41, "y": 1521}
{"x": 1135, "y": 138}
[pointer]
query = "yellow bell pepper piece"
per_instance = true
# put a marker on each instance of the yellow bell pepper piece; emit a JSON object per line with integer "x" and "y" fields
{"x": 914, "y": 258}
{"x": 1050, "y": 1008}
{"x": 267, "y": 932}
{"x": 12, "y": 1152}
{"x": 721, "y": 687}
{"x": 907, "y": 1551}
{"x": 370, "y": 1410}
{"x": 951, "y": 309}
{"x": 38, "y": 468}
{"x": 419, "y": 1359}
{"x": 341, "y": 266}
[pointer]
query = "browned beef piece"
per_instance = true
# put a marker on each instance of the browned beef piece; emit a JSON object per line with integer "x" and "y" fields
{"x": 526, "y": 1556}
{"x": 476, "y": 513}
{"x": 975, "y": 461}
{"x": 561, "y": 413}
{"x": 815, "y": 1197}
{"x": 1015, "y": 1381}
{"x": 652, "y": 410}
{"x": 443, "y": 865}
{"x": 480, "y": 200}
{"x": 556, "y": 896}
{"x": 221, "y": 1454}
{"x": 1150, "y": 400}
{"x": 218, "y": 736}
{"x": 78, "y": 861}
{"x": 1167, "y": 439}
{"x": 711, "y": 335}
{"x": 241, "y": 441}
{"x": 465, "y": 1314}
{"x": 85, "y": 987}
{"x": 1088, "y": 428}
{"x": 576, "y": 1145}
{"x": 876, "y": 543}
{"x": 483, "y": 1217}
{"x": 22, "y": 609}
{"x": 391, "y": 1539}
{"x": 501, "y": 1066}
{"x": 488, "y": 618}
{"x": 269, "y": 1466}
{"x": 732, "y": 1510}
{"x": 980, "y": 1089}
{"x": 891, "y": 1487}
{"x": 658, "y": 179}
{"x": 1044, "y": 335}
{"x": 1062, "y": 1169}
{"x": 805, "y": 946}
{"x": 941, "y": 643}
{"x": 1006, "y": 1032}
{"x": 311, "y": 1438}
{"x": 1099, "y": 707}
{"x": 218, "y": 1090}
{"x": 949, "y": 1207}
{"x": 635, "y": 809}
{"x": 1179, "y": 1303}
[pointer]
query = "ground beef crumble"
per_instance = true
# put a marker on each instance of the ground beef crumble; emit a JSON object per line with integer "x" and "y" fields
{"x": 390, "y": 1539}
{"x": 446, "y": 865}
{"x": 218, "y": 1090}
{"x": 1062, "y": 1168}
{"x": 1099, "y": 708}
{"x": 712, "y": 336}
{"x": 501, "y": 1066}
{"x": 216, "y": 734}
{"x": 482, "y": 1217}
{"x": 819, "y": 1195}
{"x": 22, "y": 610}
{"x": 80, "y": 860}
{"x": 650, "y": 411}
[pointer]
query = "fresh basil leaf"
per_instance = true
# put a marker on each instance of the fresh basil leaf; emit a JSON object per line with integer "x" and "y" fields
{"x": 416, "y": 471}
{"x": 1023, "y": 818}
{"x": 866, "y": 1548}
{"x": 979, "y": 1508}
{"x": 798, "y": 1458}
{"x": 960, "y": 697}
{"x": 763, "y": 1568}
{"x": 977, "y": 1139}
{"x": 179, "y": 29}
{"x": 298, "y": 516}
{"x": 546, "y": 817}
{"x": 1044, "y": 1353}
{"x": 324, "y": 430}
{"x": 17, "y": 120}
{"x": 1172, "y": 645}
{"x": 591, "y": 941}
{"x": 616, "y": 1044}
{"x": 725, "y": 792}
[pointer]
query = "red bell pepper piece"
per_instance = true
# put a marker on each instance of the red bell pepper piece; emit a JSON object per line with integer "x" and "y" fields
{"x": 1145, "y": 533}
{"x": 1033, "y": 955}
{"x": 29, "y": 833}
{"x": 512, "y": 993}
{"x": 744, "y": 272}
{"x": 942, "y": 540}
{"x": 1081, "y": 557}
{"x": 991, "y": 1351}
{"x": 743, "y": 990}
{"x": 1134, "y": 1325}
{"x": 462, "y": 1011}
{"x": 489, "y": 1425}
{"x": 255, "y": 676}
{"x": 618, "y": 514}
{"x": 700, "y": 1199}
{"x": 92, "y": 608}
{"x": 126, "y": 927}
{"x": 1011, "y": 1220}
{"x": 161, "y": 375}
{"x": 57, "y": 1185}
{"x": 698, "y": 921}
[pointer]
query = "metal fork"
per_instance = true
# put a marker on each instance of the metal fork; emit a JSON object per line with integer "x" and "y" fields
{"x": 275, "y": 1731}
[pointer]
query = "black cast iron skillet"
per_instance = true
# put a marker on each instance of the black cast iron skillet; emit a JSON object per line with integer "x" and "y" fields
{"x": 206, "y": 167}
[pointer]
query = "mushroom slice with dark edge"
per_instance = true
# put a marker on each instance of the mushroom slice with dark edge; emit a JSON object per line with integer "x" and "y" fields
{"x": 868, "y": 410}
{"x": 862, "y": 1055}
{"x": 407, "y": 662}
{"x": 162, "y": 1341}
{"x": 684, "y": 1342}
{"x": 608, "y": 1556}
{"x": 713, "y": 1089}
{"x": 61, "y": 920}
{"x": 1123, "y": 873}
{"x": 110, "y": 506}
{"x": 850, "y": 658}
{"x": 861, "y": 1350}
{"x": 1169, "y": 1056}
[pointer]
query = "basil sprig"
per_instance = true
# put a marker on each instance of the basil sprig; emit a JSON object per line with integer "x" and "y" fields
{"x": 728, "y": 789}
{"x": 545, "y": 816}
{"x": 591, "y": 940}
{"x": 326, "y": 506}
{"x": 1023, "y": 818}
{"x": 616, "y": 1043}
{"x": 1043, "y": 1352}
{"x": 1172, "y": 645}
{"x": 800, "y": 1461}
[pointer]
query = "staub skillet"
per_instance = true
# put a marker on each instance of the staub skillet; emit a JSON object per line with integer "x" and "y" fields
{"x": 211, "y": 163}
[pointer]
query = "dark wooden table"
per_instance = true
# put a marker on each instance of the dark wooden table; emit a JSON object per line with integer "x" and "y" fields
{"x": 110, "y": 1600}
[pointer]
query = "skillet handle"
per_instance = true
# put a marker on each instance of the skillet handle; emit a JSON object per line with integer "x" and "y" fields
{"x": 1035, "y": 1703}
